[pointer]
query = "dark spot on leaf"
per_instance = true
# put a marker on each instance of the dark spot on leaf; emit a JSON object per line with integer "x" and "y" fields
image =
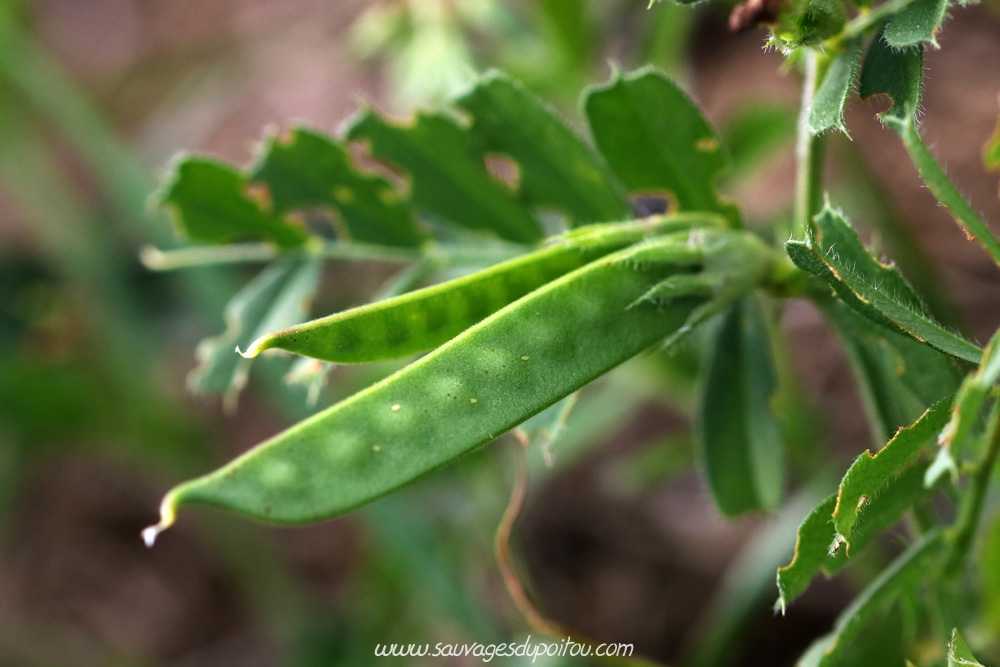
{"x": 645, "y": 205}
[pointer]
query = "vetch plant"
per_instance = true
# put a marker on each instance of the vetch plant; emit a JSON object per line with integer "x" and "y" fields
{"x": 569, "y": 273}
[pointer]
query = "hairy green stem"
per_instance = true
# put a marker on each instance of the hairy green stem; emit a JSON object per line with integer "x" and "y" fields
{"x": 942, "y": 187}
{"x": 809, "y": 149}
{"x": 968, "y": 519}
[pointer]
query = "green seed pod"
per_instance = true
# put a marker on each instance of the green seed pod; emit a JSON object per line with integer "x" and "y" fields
{"x": 426, "y": 318}
{"x": 487, "y": 380}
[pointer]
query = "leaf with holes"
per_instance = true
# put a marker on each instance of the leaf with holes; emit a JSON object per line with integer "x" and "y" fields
{"x": 304, "y": 170}
{"x": 214, "y": 203}
{"x": 897, "y": 73}
{"x": 657, "y": 141}
{"x": 447, "y": 173}
{"x": 557, "y": 170}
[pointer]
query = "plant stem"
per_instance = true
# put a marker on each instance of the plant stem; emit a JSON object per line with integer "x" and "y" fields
{"x": 867, "y": 20}
{"x": 942, "y": 187}
{"x": 254, "y": 253}
{"x": 809, "y": 150}
{"x": 968, "y": 518}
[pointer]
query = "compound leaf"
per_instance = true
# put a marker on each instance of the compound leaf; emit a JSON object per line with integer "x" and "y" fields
{"x": 737, "y": 432}
{"x": 657, "y": 141}
{"x": 212, "y": 202}
{"x": 305, "y": 169}
{"x": 557, "y": 169}
{"x": 447, "y": 173}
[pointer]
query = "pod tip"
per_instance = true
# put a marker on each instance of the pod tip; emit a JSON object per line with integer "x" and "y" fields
{"x": 149, "y": 534}
{"x": 255, "y": 348}
{"x": 152, "y": 258}
{"x": 167, "y": 516}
